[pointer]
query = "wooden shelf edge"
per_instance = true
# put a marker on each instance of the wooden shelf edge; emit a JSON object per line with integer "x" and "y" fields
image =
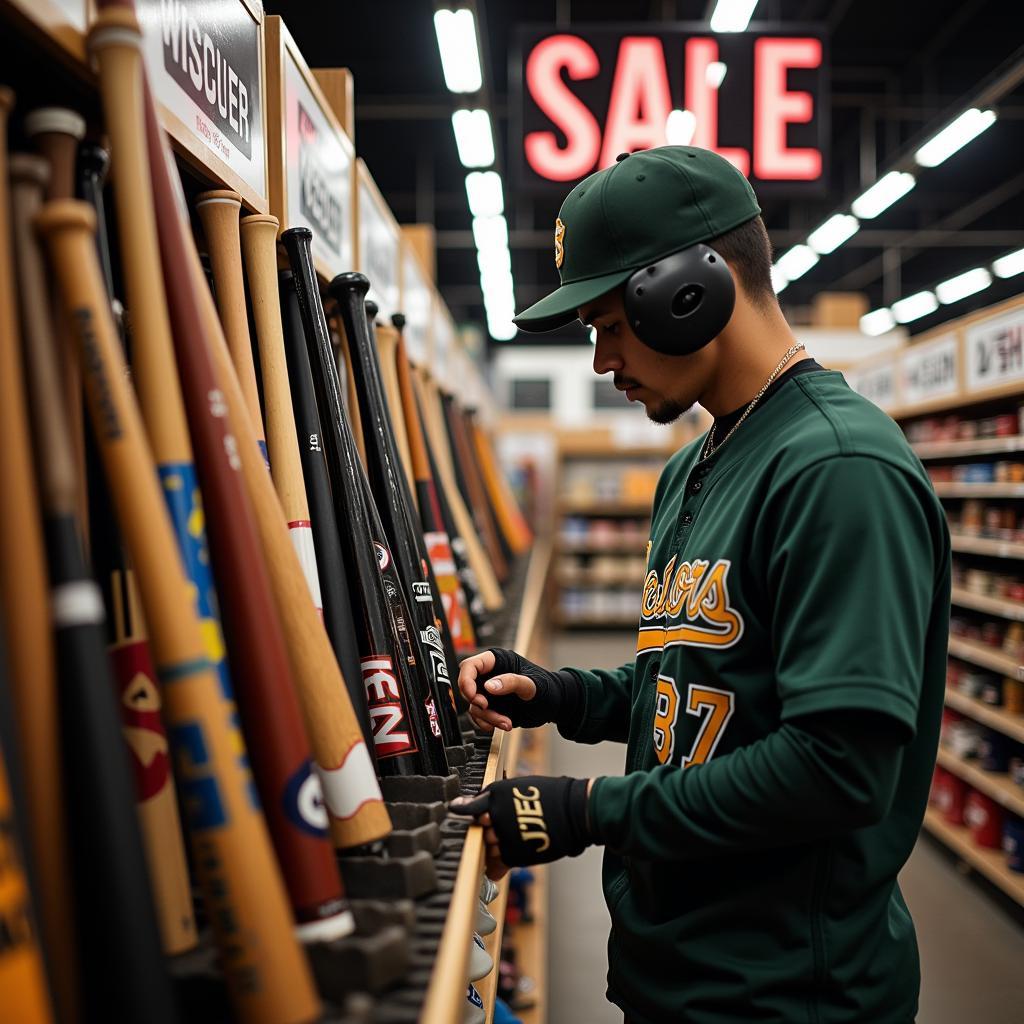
{"x": 990, "y": 863}
{"x": 980, "y": 446}
{"x": 997, "y": 785}
{"x": 986, "y": 657}
{"x": 987, "y": 546}
{"x": 982, "y": 603}
{"x": 995, "y": 718}
{"x": 968, "y": 490}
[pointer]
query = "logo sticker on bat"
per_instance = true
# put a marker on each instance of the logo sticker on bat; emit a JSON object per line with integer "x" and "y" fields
{"x": 303, "y": 801}
{"x": 392, "y": 735}
{"x": 383, "y": 555}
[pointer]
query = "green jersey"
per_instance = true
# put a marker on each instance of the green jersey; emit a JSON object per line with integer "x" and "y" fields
{"x": 802, "y": 574}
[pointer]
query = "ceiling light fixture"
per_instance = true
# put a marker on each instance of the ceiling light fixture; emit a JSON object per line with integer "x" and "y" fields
{"x": 732, "y": 15}
{"x": 882, "y": 194}
{"x": 1009, "y": 265}
{"x": 795, "y": 263}
{"x": 969, "y": 125}
{"x": 680, "y": 126}
{"x": 460, "y": 57}
{"x": 959, "y": 287}
{"x": 473, "y": 137}
{"x": 877, "y": 322}
{"x": 483, "y": 190}
{"x": 779, "y": 279}
{"x": 714, "y": 73}
{"x": 913, "y": 307}
{"x": 833, "y": 233}
{"x": 490, "y": 233}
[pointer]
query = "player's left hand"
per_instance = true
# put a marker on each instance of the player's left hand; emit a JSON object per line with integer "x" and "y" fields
{"x": 534, "y": 819}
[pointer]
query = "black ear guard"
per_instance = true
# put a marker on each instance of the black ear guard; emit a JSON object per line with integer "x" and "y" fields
{"x": 679, "y": 304}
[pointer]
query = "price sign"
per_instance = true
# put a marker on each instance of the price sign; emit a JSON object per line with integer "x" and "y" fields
{"x": 930, "y": 370}
{"x": 876, "y": 383}
{"x": 417, "y": 300}
{"x": 380, "y": 244}
{"x": 995, "y": 351}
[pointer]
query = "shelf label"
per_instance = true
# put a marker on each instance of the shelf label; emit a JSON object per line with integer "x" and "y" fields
{"x": 877, "y": 384}
{"x": 995, "y": 351}
{"x": 318, "y": 172}
{"x": 416, "y": 298}
{"x": 203, "y": 58}
{"x": 379, "y": 249}
{"x": 930, "y": 371}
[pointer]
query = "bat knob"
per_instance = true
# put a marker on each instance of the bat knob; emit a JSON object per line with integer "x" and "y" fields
{"x": 398, "y": 321}
{"x": 350, "y": 283}
{"x": 372, "y": 309}
{"x": 93, "y": 160}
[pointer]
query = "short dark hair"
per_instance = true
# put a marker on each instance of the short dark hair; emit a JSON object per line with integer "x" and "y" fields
{"x": 748, "y": 252}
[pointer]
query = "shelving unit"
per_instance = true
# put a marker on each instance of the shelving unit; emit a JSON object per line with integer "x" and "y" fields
{"x": 927, "y": 450}
{"x": 985, "y": 546}
{"x": 997, "y": 785}
{"x": 995, "y": 718}
{"x": 986, "y": 657}
{"x": 955, "y": 490}
{"x": 996, "y": 605}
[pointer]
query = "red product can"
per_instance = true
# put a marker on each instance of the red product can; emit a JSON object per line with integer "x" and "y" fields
{"x": 984, "y": 817}
{"x": 954, "y": 800}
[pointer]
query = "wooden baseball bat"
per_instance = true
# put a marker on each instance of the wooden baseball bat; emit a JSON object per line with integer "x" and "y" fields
{"x": 23, "y": 992}
{"x": 26, "y": 614}
{"x": 403, "y": 713}
{"x": 342, "y": 608}
{"x": 218, "y": 212}
{"x": 138, "y": 695}
{"x": 259, "y": 247}
{"x": 387, "y": 345}
{"x": 56, "y": 133}
{"x": 351, "y": 793}
{"x": 510, "y": 517}
{"x": 277, "y": 740}
{"x": 482, "y": 626}
{"x": 468, "y": 481}
{"x": 435, "y": 536}
{"x": 245, "y": 897}
{"x": 118, "y": 925}
{"x": 391, "y": 489}
{"x": 465, "y": 415}
{"x": 433, "y": 415}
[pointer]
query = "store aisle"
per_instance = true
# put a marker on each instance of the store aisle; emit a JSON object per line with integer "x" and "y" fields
{"x": 971, "y": 950}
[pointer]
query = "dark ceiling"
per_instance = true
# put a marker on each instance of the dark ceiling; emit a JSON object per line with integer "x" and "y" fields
{"x": 897, "y": 68}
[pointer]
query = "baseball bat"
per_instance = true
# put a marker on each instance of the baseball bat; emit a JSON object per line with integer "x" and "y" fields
{"x": 138, "y": 696}
{"x": 482, "y": 627}
{"x": 277, "y": 741}
{"x": 510, "y": 517}
{"x": 433, "y": 416}
{"x": 470, "y": 429}
{"x": 351, "y": 793}
{"x": 386, "y": 337}
{"x": 259, "y": 248}
{"x": 463, "y": 421}
{"x": 218, "y": 212}
{"x": 403, "y": 713}
{"x": 245, "y": 898}
{"x": 114, "y": 910}
{"x": 341, "y": 607}
{"x": 469, "y": 484}
{"x": 435, "y": 536}
{"x": 56, "y": 133}
{"x": 26, "y": 615}
{"x": 343, "y": 364}
{"x": 23, "y": 992}
{"x": 390, "y": 487}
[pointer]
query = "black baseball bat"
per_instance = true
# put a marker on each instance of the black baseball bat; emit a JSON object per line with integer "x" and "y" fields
{"x": 403, "y": 713}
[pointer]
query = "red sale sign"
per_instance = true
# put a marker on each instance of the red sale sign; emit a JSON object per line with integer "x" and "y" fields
{"x": 757, "y": 98}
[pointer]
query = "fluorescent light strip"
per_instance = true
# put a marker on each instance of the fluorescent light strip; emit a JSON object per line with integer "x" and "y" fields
{"x": 882, "y": 194}
{"x": 460, "y": 57}
{"x": 732, "y": 15}
{"x": 483, "y": 190}
{"x": 969, "y": 125}
{"x": 913, "y": 307}
{"x": 779, "y": 279}
{"x": 490, "y": 233}
{"x": 878, "y": 321}
{"x": 1009, "y": 265}
{"x": 680, "y": 126}
{"x": 714, "y": 74}
{"x": 833, "y": 233}
{"x": 968, "y": 283}
{"x": 797, "y": 262}
{"x": 473, "y": 137}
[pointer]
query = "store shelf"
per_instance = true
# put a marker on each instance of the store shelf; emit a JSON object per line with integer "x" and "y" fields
{"x": 956, "y": 490}
{"x": 996, "y": 605}
{"x": 995, "y": 718}
{"x": 595, "y": 582}
{"x": 986, "y": 546}
{"x": 990, "y": 863}
{"x": 997, "y": 785}
{"x": 956, "y": 449}
{"x": 595, "y": 547}
{"x": 609, "y": 507}
{"x": 599, "y": 621}
{"x": 987, "y": 657}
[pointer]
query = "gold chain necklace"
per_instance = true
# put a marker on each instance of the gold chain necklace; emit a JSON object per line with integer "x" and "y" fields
{"x": 711, "y": 448}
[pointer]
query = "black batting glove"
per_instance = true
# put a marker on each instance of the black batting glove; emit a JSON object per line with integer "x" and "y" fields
{"x": 535, "y": 819}
{"x": 504, "y": 689}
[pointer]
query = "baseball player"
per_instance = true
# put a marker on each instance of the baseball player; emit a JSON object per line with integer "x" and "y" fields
{"x": 781, "y": 709}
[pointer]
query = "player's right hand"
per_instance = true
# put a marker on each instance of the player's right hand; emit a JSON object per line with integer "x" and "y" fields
{"x": 504, "y": 689}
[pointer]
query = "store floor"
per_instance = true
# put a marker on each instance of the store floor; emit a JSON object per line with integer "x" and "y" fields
{"x": 971, "y": 949}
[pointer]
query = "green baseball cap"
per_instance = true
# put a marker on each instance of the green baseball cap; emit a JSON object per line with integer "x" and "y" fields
{"x": 647, "y": 205}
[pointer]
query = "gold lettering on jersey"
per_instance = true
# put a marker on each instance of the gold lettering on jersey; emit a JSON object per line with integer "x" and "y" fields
{"x": 692, "y": 600}
{"x": 530, "y": 817}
